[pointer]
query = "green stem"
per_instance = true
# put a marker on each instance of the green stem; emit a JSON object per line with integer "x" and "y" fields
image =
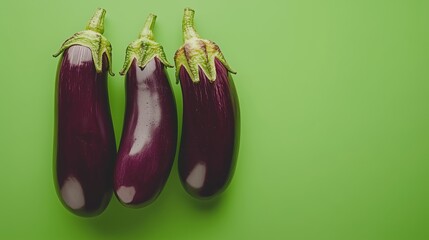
{"x": 147, "y": 31}
{"x": 144, "y": 49}
{"x": 96, "y": 23}
{"x": 196, "y": 53}
{"x": 188, "y": 25}
{"x": 93, "y": 39}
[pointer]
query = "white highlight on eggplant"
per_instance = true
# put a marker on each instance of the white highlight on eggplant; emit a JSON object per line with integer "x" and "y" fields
{"x": 197, "y": 176}
{"x": 148, "y": 107}
{"x": 149, "y": 69}
{"x": 126, "y": 194}
{"x": 77, "y": 60}
{"x": 72, "y": 193}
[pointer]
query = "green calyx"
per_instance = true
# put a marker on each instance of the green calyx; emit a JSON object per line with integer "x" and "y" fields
{"x": 145, "y": 48}
{"x": 197, "y": 53}
{"x": 93, "y": 39}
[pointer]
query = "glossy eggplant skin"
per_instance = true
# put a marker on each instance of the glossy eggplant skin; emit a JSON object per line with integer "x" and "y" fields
{"x": 149, "y": 137}
{"x": 210, "y": 133}
{"x": 85, "y": 147}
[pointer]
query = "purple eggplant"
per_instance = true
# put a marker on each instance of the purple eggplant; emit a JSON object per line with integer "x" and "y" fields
{"x": 149, "y": 136}
{"x": 211, "y": 124}
{"x": 84, "y": 145}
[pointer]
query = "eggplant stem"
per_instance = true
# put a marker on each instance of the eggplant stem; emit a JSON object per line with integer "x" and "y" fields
{"x": 144, "y": 49}
{"x": 197, "y": 54}
{"x": 188, "y": 25}
{"x": 93, "y": 39}
{"x": 147, "y": 31}
{"x": 96, "y": 23}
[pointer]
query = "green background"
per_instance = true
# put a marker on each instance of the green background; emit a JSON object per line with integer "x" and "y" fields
{"x": 334, "y": 104}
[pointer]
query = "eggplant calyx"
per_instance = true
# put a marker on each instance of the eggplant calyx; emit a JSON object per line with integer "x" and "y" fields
{"x": 93, "y": 39}
{"x": 145, "y": 48}
{"x": 197, "y": 53}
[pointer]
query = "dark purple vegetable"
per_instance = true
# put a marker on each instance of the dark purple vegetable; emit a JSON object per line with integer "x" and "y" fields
{"x": 84, "y": 146}
{"x": 149, "y": 136}
{"x": 211, "y": 125}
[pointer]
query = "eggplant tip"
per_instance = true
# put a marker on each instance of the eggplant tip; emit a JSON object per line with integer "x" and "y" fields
{"x": 189, "y": 10}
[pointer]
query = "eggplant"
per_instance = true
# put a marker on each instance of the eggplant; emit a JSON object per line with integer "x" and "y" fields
{"x": 149, "y": 136}
{"x": 211, "y": 116}
{"x": 84, "y": 142}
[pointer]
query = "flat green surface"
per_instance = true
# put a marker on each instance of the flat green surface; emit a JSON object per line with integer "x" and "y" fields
{"x": 334, "y": 99}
